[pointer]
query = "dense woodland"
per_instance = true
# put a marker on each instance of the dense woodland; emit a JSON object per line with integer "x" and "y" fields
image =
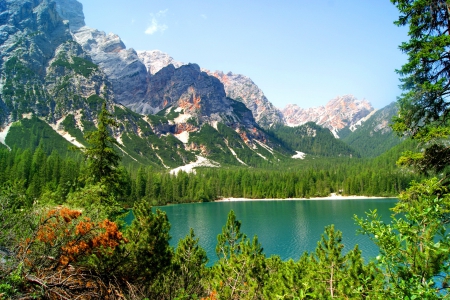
{"x": 62, "y": 234}
{"x": 51, "y": 178}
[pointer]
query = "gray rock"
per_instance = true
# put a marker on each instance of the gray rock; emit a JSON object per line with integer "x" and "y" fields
{"x": 243, "y": 89}
{"x": 237, "y": 87}
{"x": 155, "y": 60}
{"x": 72, "y": 11}
{"x": 187, "y": 87}
{"x": 127, "y": 74}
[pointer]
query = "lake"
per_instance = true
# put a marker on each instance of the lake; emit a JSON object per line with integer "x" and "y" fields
{"x": 284, "y": 227}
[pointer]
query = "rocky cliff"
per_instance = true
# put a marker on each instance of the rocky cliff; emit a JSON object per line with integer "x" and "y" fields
{"x": 339, "y": 113}
{"x": 42, "y": 70}
{"x": 243, "y": 89}
{"x": 237, "y": 87}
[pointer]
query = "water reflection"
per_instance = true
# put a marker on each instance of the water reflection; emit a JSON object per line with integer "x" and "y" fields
{"x": 284, "y": 228}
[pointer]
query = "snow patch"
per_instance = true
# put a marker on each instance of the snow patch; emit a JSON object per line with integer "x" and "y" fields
{"x": 126, "y": 153}
{"x": 299, "y": 155}
{"x": 182, "y": 118}
{"x": 178, "y": 109}
{"x": 353, "y": 127}
{"x": 261, "y": 155}
{"x": 162, "y": 161}
{"x": 200, "y": 162}
{"x": 77, "y": 116}
{"x": 3, "y": 135}
{"x": 235, "y": 155}
{"x": 183, "y": 137}
{"x": 214, "y": 124}
{"x": 27, "y": 116}
{"x": 56, "y": 127}
{"x": 334, "y": 132}
{"x": 119, "y": 139}
{"x": 265, "y": 146}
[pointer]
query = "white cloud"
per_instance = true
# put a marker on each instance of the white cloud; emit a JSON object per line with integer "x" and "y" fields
{"x": 162, "y": 13}
{"x": 156, "y": 25}
{"x": 203, "y": 16}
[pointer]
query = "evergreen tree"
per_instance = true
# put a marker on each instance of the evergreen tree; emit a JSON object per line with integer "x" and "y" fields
{"x": 424, "y": 106}
{"x": 147, "y": 253}
{"x": 101, "y": 156}
{"x": 240, "y": 271}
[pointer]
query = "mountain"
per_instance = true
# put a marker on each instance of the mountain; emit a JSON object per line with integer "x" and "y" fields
{"x": 237, "y": 86}
{"x": 374, "y": 136}
{"x": 56, "y": 72}
{"x": 339, "y": 114}
{"x": 243, "y": 89}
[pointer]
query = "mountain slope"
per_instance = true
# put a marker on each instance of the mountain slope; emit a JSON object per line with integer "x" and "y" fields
{"x": 374, "y": 136}
{"x": 313, "y": 139}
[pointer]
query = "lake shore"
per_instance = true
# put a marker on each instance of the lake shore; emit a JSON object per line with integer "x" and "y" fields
{"x": 331, "y": 197}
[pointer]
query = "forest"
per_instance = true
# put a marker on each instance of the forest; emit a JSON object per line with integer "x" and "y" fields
{"x": 62, "y": 234}
{"x": 51, "y": 178}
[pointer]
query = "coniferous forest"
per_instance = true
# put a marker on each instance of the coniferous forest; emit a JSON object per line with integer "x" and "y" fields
{"x": 62, "y": 234}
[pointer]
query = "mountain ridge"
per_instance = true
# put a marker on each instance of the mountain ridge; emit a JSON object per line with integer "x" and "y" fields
{"x": 169, "y": 113}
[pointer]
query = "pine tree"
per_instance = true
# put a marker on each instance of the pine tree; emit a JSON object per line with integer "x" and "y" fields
{"x": 102, "y": 158}
{"x": 424, "y": 106}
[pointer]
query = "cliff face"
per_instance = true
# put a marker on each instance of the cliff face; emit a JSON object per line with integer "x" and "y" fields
{"x": 42, "y": 70}
{"x": 238, "y": 87}
{"x": 188, "y": 88}
{"x": 122, "y": 66}
{"x": 337, "y": 114}
{"x": 243, "y": 89}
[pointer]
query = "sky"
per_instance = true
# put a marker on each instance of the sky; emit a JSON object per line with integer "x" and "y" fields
{"x": 303, "y": 52}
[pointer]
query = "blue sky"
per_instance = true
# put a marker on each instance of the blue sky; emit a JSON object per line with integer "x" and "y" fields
{"x": 304, "y": 52}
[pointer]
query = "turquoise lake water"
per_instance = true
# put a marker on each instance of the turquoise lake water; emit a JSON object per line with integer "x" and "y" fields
{"x": 284, "y": 227}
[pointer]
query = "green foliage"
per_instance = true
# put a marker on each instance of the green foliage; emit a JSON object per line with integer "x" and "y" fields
{"x": 94, "y": 101}
{"x": 239, "y": 272}
{"x": 79, "y": 65}
{"x": 414, "y": 248}
{"x": 189, "y": 268}
{"x": 147, "y": 252}
{"x": 424, "y": 109}
{"x": 12, "y": 283}
{"x": 101, "y": 156}
{"x": 30, "y": 133}
{"x": 337, "y": 275}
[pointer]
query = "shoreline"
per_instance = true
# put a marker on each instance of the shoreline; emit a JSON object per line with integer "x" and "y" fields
{"x": 331, "y": 197}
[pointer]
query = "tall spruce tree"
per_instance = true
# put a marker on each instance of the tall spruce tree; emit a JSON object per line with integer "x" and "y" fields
{"x": 424, "y": 106}
{"x": 101, "y": 156}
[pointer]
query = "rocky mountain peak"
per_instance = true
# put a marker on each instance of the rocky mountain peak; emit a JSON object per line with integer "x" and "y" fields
{"x": 237, "y": 87}
{"x": 339, "y": 113}
{"x": 155, "y": 60}
{"x": 71, "y": 10}
{"x": 243, "y": 89}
